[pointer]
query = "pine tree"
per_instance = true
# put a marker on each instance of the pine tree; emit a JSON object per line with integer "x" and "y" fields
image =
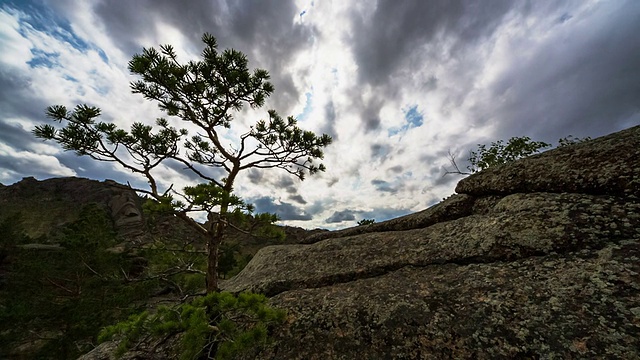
{"x": 207, "y": 94}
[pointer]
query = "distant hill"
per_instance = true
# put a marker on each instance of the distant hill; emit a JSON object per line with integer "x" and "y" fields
{"x": 48, "y": 204}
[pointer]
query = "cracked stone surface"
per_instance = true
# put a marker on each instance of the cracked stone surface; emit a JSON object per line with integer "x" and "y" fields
{"x": 519, "y": 226}
{"x": 537, "y": 259}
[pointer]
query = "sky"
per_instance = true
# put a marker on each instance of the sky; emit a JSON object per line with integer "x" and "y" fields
{"x": 397, "y": 84}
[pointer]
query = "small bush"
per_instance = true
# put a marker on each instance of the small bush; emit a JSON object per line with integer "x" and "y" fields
{"x": 218, "y": 324}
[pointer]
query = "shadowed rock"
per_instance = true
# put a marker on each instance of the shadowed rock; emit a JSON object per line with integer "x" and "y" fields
{"x": 54, "y": 202}
{"x": 127, "y": 214}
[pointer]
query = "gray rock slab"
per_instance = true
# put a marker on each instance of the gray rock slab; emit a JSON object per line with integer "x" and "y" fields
{"x": 606, "y": 165}
{"x": 518, "y": 226}
{"x": 585, "y": 304}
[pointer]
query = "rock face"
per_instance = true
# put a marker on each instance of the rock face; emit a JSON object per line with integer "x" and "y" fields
{"x": 50, "y": 203}
{"x": 536, "y": 259}
{"x": 127, "y": 214}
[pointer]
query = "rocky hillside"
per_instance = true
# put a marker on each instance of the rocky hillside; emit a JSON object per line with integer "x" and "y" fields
{"x": 539, "y": 258}
{"x": 48, "y": 204}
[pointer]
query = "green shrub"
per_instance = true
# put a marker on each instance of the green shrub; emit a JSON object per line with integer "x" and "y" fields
{"x": 366, "y": 222}
{"x": 62, "y": 296}
{"x": 219, "y": 324}
{"x": 500, "y": 153}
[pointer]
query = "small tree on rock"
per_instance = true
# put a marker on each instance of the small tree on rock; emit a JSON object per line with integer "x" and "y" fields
{"x": 497, "y": 154}
{"x": 500, "y": 153}
{"x": 207, "y": 94}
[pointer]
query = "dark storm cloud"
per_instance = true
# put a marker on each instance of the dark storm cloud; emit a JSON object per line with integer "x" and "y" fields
{"x": 319, "y": 206}
{"x": 213, "y": 172}
{"x": 395, "y": 169}
{"x": 340, "y": 216}
{"x": 17, "y": 137}
{"x": 380, "y": 151}
{"x": 17, "y": 98}
{"x": 431, "y": 84}
{"x": 582, "y": 79}
{"x": 255, "y": 176}
{"x": 285, "y": 182}
{"x": 20, "y": 168}
{"x": 383, "y": 42}
{"x": 284, "y": 210}
{"x": 332, "y": 181}
{"x": 271, "y": 37}
{"x": 370, "y": 114}
{"x": 298, "y": 198}
{"x": 23, "y": 166}
{"x": 84, "y": 166}
{"x": 261, "y": 29}
{"x": 586, "y": 85}
{"x": 288, "y": 184}
{"x": 127, "y": 22}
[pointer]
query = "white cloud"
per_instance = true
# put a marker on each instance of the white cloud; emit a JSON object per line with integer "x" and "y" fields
{"x": 31, "y": 163}
{"x": 513, "y": 70}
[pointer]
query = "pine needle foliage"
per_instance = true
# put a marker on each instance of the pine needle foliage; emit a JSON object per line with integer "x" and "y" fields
{"x": 216, "y": 326}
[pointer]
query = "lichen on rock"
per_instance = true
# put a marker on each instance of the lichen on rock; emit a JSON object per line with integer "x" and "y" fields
{"x": 539, "y": 258}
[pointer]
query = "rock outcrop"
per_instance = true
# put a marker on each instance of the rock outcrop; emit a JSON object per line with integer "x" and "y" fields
{"x": 535, "y": 259}
{"x": 127, "y": 214}
{"x": 48, "y": 204}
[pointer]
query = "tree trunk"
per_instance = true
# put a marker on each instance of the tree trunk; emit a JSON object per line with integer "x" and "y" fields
{"x": 212, "y": 261}
{"x": 215, "y": 237}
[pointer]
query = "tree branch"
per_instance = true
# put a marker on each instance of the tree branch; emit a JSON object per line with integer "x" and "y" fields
{"x": 452, "y": 160}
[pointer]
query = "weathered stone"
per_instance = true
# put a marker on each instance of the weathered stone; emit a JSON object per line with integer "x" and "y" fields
{"x": 572, "y": 306}
{"x": 46, "y": 247}
{"x": 607, "y": 165}
{"x": 127, "y": 214}
{"x": 454, "y": 207}
{"x": 57, "y": 201}
{"x": 543, "y": 262}
{"x": 519, "y": 226}
{"x": 164, "y": 349}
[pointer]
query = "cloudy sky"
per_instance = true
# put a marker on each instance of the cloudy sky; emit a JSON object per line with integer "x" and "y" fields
{"x": 397, "y": 84}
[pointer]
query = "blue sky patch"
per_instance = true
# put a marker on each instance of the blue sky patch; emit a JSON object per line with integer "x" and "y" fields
{"x": 413, "y": 119}
{"x": 38, "y": 16}
{"x": 70, "y": 78}
{"x": 307, "y": 107}
{"x": 43, "y": 59}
